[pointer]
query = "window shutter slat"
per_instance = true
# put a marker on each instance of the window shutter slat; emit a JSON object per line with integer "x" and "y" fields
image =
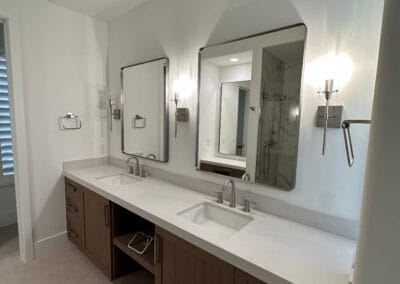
{"x": 6, "y": 145}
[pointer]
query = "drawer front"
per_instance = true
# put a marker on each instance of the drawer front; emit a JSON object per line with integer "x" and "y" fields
{"x": 74, "y": 210}
{"x": 75, "y": 230}
{"x": 73, "y": 198}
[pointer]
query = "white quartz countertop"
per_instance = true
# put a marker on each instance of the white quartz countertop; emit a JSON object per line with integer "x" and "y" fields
{"x": 270, "y": 248}
{"x": 238, "y": 164}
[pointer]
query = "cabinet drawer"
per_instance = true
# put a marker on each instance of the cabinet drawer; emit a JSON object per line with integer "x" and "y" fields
{"x": 73, "y": 189}
{"x": 75, "y": 230}
{"x": 73, "y": 197}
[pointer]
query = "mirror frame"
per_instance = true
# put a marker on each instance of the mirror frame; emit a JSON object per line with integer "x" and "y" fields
{"x": 166, "y": 109}
{"x": 197, "y": 166}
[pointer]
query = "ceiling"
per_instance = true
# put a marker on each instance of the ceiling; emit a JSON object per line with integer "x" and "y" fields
{"x": 225, "y": 60}
{"x": 106, "y": 10}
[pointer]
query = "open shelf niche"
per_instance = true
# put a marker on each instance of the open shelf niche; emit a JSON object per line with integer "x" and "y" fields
{"x": 129, "y": 266}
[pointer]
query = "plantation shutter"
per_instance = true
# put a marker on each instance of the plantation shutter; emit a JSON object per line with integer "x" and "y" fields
{"x": 6, "y": 146}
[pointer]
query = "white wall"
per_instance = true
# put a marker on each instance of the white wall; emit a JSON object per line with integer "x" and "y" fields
{"x": 63, "y": 56}
{"x": 236, "y": 73}
{"x": 209, "y": 133}
{"x": 179, "y": 28}
{"x": 378, "y": 250}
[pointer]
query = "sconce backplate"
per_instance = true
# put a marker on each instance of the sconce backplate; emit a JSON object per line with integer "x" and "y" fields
{"x": 335, "y": 116}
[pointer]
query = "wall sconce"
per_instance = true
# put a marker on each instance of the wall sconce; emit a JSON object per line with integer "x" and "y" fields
{"x": 329, "y": 90}
{"x": 334, "y": 70}
{"x": 182, "y": 88}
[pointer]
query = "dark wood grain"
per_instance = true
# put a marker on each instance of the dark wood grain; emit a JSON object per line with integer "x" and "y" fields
{"x": 182, "y": 263}
{"x": 97, "y": 243}
{"x": 244, "y": 278}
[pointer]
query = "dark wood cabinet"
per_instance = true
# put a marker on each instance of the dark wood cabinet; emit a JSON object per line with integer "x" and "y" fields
{"x": 74, "y": 208}
{"x": 102, "y": 230}
{"x": 244, "y": 278}
{"x": 179, "y": 262}
{"x": 88, "y": 224}
{"x": 221, "y": 169}
{"x": 97, "y": 242}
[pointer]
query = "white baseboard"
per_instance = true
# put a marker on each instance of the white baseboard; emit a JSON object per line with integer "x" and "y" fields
{"x": 45, "y": 246}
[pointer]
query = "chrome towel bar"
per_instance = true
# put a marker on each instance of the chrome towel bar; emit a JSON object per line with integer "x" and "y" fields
{"x": 347, "y": 137}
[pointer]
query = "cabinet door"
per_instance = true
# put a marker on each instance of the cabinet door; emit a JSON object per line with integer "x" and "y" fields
{"x": 97, "y": 244}
{"x": 244, "y": 278}
{"x": 178, "y": 262}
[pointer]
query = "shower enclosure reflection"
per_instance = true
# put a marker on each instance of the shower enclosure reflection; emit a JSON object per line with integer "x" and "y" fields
{"x": 250, "y": 107}
{"x": 279, "y": 115}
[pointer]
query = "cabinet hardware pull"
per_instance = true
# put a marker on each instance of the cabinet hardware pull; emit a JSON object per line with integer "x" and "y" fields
{"x": 157, "y": 248}
{"x": 107, "y": 215}
{"x": 70, "y": 206}
{"x": 75, "y": 235}
{"x": 73, "y": 188}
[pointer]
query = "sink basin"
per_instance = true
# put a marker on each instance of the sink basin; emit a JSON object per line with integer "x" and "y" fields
{"x": 216, "y": 220}
{"x": 118, "y": 180}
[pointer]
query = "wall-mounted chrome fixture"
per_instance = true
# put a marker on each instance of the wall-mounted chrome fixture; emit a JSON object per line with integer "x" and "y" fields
{"x": 347, "y": 138}
{"x": 182, "y": 88}
{"x": 139, "y": 121}
{"x": 328, "y": 91}
{"x": 151, "y": 156}
{"x": 334, "y": 119}
{"x": 114, "y": 113}
{"x": 335, "y": 70}
{"x": 63, "y": 121}
{"x": 181, "y": 114}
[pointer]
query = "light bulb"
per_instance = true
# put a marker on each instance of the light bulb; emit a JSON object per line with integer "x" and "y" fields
{"x": 183, "y": 87}
{"x": 336, "y": 67}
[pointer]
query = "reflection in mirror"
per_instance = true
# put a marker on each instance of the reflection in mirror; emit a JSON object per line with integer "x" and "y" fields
{"x": 279, "y": 115}
{"x": 234, "y": 115}
{"x": 249, "y": 101}
{"x": 145, "y": 110}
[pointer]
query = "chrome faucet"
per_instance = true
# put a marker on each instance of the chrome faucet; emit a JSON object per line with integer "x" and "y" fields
{"x": 246, "y": 177}
{"x": 232, "y": 203}
{"x": 135, "y": 171}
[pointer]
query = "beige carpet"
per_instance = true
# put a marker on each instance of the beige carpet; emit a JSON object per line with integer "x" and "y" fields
{"x": 63, "y": 264}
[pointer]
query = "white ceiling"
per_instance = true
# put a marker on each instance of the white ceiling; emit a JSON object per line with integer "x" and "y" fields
{"x": 106, "y": 10}
{"x": 225, "y": 60}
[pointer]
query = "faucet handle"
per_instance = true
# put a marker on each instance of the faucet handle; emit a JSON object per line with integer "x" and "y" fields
{"x": 130, "y": 169}
{"x": 143, "y": 171}
{"x": 220, "y": 199}
{"x": 246, "y": 205}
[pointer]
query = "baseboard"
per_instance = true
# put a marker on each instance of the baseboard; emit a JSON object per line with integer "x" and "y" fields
{"x": 47, "y": 245}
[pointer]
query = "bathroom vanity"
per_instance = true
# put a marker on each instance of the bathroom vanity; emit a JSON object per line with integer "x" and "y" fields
{"x": 106, "y": 207}
{"x": 102, "y": 230}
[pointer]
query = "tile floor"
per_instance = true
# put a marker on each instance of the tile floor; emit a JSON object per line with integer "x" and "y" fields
{"x": 63, "y": 264}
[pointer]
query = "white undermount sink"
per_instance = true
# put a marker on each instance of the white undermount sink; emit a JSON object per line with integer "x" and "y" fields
{"x": 118, "y": 180}
{"x": 216, "y": 220}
